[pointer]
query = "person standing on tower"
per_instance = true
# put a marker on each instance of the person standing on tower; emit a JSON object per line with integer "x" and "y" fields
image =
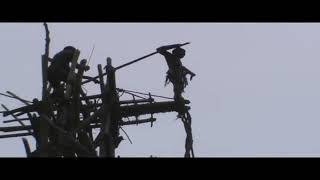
{"x": 177, "y": 72}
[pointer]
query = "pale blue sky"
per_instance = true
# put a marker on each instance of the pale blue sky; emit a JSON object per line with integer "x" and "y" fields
{"x": 256, "y": 93}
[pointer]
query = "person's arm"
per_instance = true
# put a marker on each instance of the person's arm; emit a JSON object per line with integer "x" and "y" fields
{"x": 189, "y": 72}
{"x": 163, "y": 51}
{"x": 167, "y": 47}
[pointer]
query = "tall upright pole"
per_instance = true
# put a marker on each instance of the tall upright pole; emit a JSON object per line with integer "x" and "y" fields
{"x": 115, "y": 106}
{"x": 43, "y": 125}
{"x": 110, "y": 98}
{"x": 107, "y": 142}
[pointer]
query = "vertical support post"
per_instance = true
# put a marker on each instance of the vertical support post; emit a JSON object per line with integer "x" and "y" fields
{"x": 114, "y": 106}
{"x": 76, "y": 93}
{"x": 68, "y": 115}
{"x": 82, "y": 135}
{"x": 106, "y": 142}
{"x": 44, "y": 127}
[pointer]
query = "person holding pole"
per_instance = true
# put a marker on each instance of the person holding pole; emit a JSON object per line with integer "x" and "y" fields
{"x": 177, "y": 72}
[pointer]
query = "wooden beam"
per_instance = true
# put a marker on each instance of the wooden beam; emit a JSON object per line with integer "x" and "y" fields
{"x": 15, "y": 120}
{"x": 14, "y": 135}
{"x": 157, "y": 107}
{"x": 16, "y": 128}
{"x": 22, "y": 124}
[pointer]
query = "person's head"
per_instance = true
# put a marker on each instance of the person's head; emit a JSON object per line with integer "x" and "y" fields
{"x": 109, "y": 61}
{"x": 69, "y": 50}
{"x": 179, "y": 52}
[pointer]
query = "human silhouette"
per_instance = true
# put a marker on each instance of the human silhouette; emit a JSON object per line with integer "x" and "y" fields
{"x": 177, "y": 73}
{"x": 60, "y": 66}
{"x": 59, "y": 69}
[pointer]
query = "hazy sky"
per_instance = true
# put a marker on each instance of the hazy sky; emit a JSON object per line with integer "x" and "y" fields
{"x": 256, "y": 93}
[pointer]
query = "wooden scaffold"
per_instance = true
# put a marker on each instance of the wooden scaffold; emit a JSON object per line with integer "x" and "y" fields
{"x": 63, "y": 127}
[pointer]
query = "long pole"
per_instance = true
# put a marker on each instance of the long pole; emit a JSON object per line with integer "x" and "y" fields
{"x": 151, "y": 54}
{"x": 129, "y": 63}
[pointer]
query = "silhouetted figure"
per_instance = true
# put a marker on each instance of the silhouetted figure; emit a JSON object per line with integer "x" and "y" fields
{"x": 177, "y": 72}
{"x": 59, "y": 69}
